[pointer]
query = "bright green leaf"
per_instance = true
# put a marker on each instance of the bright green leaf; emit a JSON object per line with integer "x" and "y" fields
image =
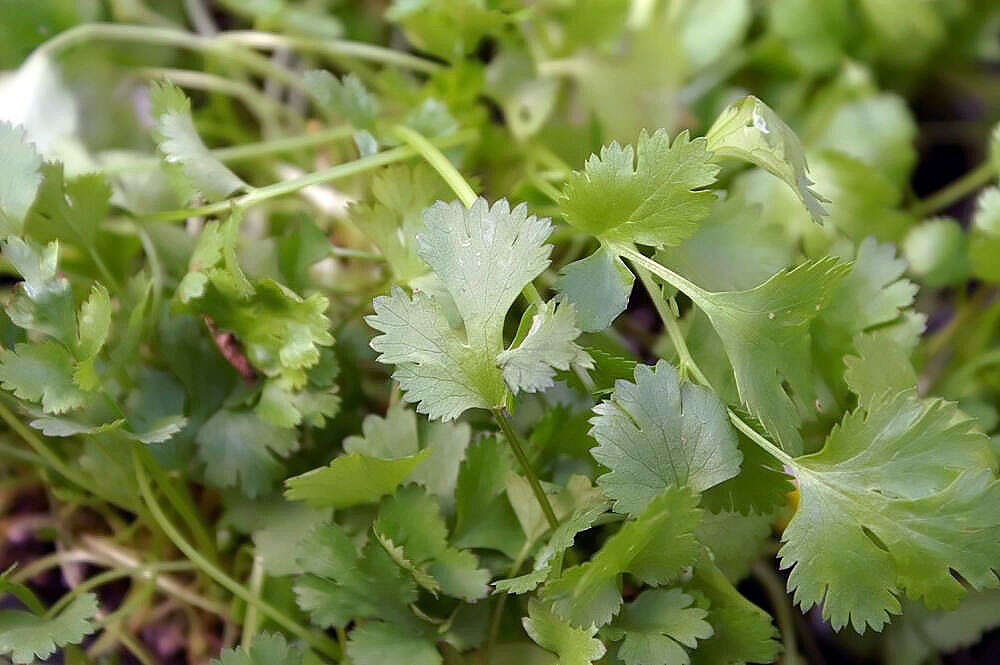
{"x": 573, "y": 646}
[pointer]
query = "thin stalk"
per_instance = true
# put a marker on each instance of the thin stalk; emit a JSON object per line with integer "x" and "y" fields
{"x": 956, "y": 191}
{"x": 182, "y": 502}
{"x": 320, "y": 177}
{"x": 111, "y": 575}
{"x": 334, "y": 48}
{"x": 248, "y": 151}
{"x": 433, "y": 156}
{"x": 161, "y": 36}
{"x": 24, "y": 456}
{"x": 39, "y": 446}
{"x": 52, "y": 560}
{"x": 502, "y": 419}
{"x": 691, "y": 290}
{"x": 783, "y": 611}
{"x": 321, "y": 643}
{"x": 250, "y": 620}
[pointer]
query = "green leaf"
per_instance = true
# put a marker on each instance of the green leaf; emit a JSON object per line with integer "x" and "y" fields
{"x": 277, "y": 527}
{"x": 984, "y": 245}
{"x": 658, "y": 433}
{"x": 759, "y": 488}
{"x": 752, "y": 131}
{"x": 411, "y": 521}
{"x": 342, "y": 584}
{"x": 901, "y": 496}
{"x": 651, "y": 195}
{"x": 880, "y": 368}
{"x": 94, "y": 323}
{"x": 20, "y": 177}
{"x": 573, "y": 646}
{"x": 732, "y": 250}
{"x": 352, "y": 480}
{"x": 184, "y": 154}
{"x": 765, "y": 334}
{"x": 393, "y": 216}
{"x": 347, "y": 97}
{"x": 919, "y": 635}
{"x": 239, "y": 449}
{"x": 735, "y": 540}
{"x": 743, "y": 633}
{"x": 531, "y": 363}
{"x": 561, "y": 540}
{"x": 654, "y": 548}
{"x": 26, "y": 637}
{"x": 267, "y": 649}
{"x": 43, "y": 302}
{"x": 41, "y": 372}
{"x": 377, "y": 643}
{"x": 483, "y": 515}
{"x": 214, "y": 261}
{"x": 598, "y": 286}
{"x": 484, "y": 257}
{"x": 937, "y": 252}
{"x": 69, "y": 211}
{"x": 656, "y": 626}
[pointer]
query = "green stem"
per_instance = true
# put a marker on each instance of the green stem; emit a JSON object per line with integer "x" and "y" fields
{"x": 239, "y": 153}
{"x": 693, "y": 291}
{"x": 321, "y": 643}
{"x": 954, "y": 192}
{"x": 316, "y": 178}
{"x": 43, "y": 450}
{"x": 433, "y": 156}
{"x": 250, "y": 620}
{"x": 497, "y": 619}
{"x": 19, "y": 455}
{"x": 783, "y": 611}
{"x": 334, "y": 48}
{"x": 111, "y": 575}
{"x": 514, "y": 439}
{"x": 183, "y": 503}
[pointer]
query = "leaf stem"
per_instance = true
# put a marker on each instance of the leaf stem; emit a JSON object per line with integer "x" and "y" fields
{"x": 775, "y": 590}
{"x": 333, "y": 48}
{"x": 112, "y": 575}
{"x": 46, "y": 453}
{"x": 691, "y": 290}
{"x": 502, "y": 419}
{"x": 433, "y": 156}
{"x": 956, "y": 191}
{"x": 321, "y": 643}
{"x": 256, "y": 581}
{"x": 295, "y": 184}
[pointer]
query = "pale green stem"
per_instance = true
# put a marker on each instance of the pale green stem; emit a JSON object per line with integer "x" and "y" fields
{"x": 249, "y": 151}
{"x": 320, "y": 642}
{"x": 691, "y": 290}
{"x": 783, "y": 611}
{"x": 320, "y": 177}
{"x": 433, "y": 156}
{"x": 111, "y": 575}
{"x": 46, "y": 453}
{"x": 956, "y": 191}
{"x": 514, "y": 439}
{"x": 334, "y": 48}
{"x": 250, "y": 620}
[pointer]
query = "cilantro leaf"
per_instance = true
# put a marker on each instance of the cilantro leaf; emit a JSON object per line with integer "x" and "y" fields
{"x": 185, "y": 156}
{"x": 69, "y": 211}
{"x": 751, "y": 130}
{"x": 25, "y": 636}
{"x": 411, "y": 521}
{"x": 573, "y": 646}
{"x": 341, "y": 584}
{"x": 214, "y": 260}
{"x": 238, "y": 448}
{"x": 759, "y": 488}
{"x": 656, "y": 626}
{"x": 484, "y": 257}
{"x": 742, "y": 632}
{"x": 531, "y": 364}
{"x": 377, "y": 642}
{"x": 906, "y": 490}
{"x": 735, "y": 540}
{"x": 655, "y": 547}
{"x": 658, "y": 433}
{"x": 984, "y": 245}
{"x": 347, "y": 97}
{"x": 598, "y": 286}
{"x": 651, "y": 195}
{"x": 267, "y": 649}
{"x": 20, "y": 178}
{"x": 483, "y": 515}
{"x": 352, "y": 480}
{"x": 43, "y": 302}
{"x": 881, "y": 367}
{"x": 765, "y": 333}
{"x": 41, "y": 372}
